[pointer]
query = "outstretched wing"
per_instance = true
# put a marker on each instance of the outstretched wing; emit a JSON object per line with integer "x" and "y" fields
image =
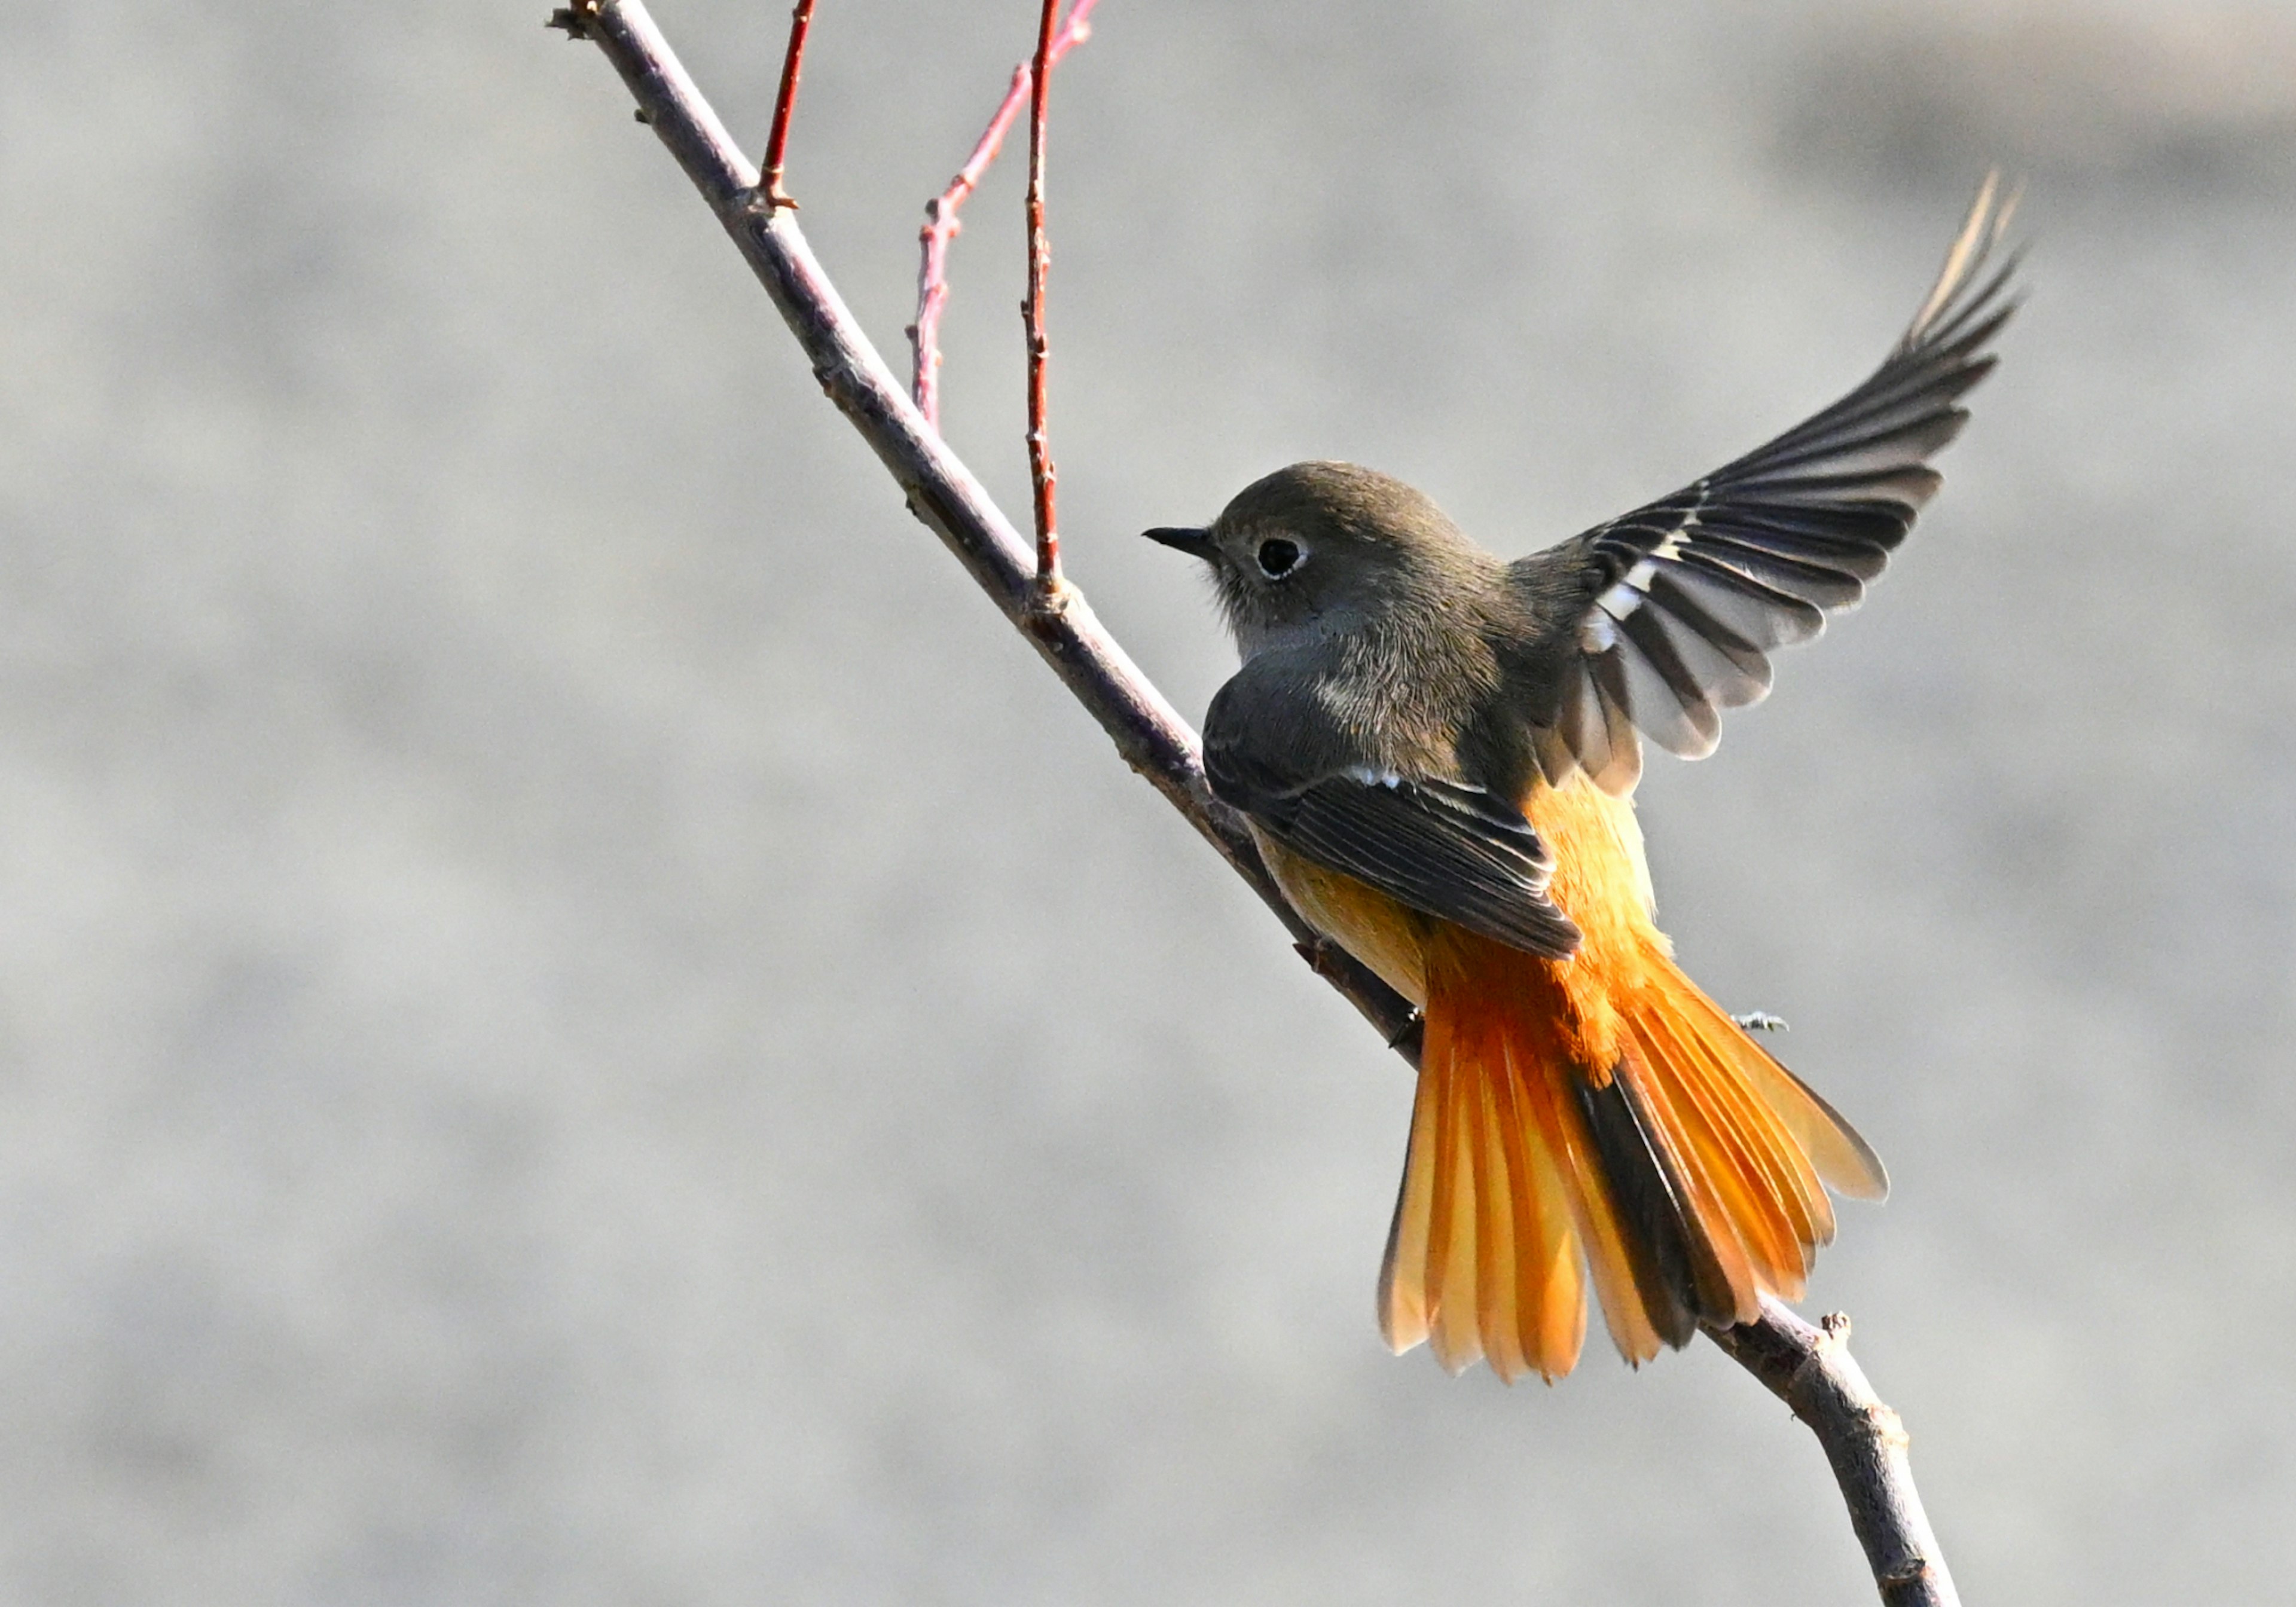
{"x": 1451, "y": 850}
{"x": 1673, "y": 610}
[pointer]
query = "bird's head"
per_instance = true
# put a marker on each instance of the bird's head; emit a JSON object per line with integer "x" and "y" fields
{"x": 1325, "y": 546}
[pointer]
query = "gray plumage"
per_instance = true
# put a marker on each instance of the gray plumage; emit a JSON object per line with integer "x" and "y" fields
{"x": 1402, "y": 689}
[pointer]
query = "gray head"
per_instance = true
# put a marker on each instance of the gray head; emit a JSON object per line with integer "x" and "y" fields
{"x": 1321, "y": 545}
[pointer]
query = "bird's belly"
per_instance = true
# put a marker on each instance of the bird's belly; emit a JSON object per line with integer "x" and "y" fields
{"x": 1389, "y": 937}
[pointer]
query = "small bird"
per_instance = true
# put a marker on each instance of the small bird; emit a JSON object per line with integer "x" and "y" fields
{"x": 1436, "y": 751}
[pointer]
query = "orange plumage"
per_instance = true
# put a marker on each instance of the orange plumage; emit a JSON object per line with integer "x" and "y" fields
{"x": 1511, "y": 1202}
{"x": 1435, "y": 750}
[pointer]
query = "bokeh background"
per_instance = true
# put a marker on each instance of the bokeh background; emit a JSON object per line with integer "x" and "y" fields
{"x": 581, "y": 1023}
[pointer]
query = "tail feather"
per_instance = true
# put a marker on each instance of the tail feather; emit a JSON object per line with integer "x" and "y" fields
{"x": 1403, "y": 1272}
{"x": 1498, "y": 1243}
{"x": 1794, "y": 1180}
{"x": 1772, "y": 1209}
{"x": 1844, "y": 1161}
{"x": 1482, "y": 1255}
{"x": 1586, "y": 1215}
{"x": 1645, "y": 1143}
{"x": 1550, "y": 1296}
{"x": 1451, "y": 1225}
{"x": 1682, "y": 1271}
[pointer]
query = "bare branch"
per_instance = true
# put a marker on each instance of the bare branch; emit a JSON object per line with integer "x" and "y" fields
{"x": 1042, "y": 475}
{"x": 1812, "y": 1370}
{"x": 941, "y": 224}
{"x": 1808, "y": 1368}
{"x": 1149, "y": 734}
{"x": 778, "y": 141}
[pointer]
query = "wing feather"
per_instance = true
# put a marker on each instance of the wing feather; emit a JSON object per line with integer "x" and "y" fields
{"x": 1442, "y": 846}
{"x": 1684, "y": 600}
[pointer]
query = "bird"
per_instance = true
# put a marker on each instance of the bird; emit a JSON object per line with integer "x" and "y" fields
{"x": 1436, "y": 752}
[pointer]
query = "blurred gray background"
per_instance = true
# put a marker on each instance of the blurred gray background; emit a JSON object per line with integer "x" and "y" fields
{"x": 581, "y": 1023}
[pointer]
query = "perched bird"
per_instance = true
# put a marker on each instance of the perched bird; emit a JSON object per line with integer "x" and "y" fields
{"x": 1436, "y": 751}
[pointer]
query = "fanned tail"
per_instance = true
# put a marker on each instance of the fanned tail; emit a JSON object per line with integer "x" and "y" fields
{"x": 1631, "y": 1135}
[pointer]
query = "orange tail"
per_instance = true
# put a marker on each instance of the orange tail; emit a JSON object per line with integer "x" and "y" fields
{"x": 1620, "y": 1126}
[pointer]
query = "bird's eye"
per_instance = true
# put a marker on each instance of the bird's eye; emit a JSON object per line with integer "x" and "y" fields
{"x": 1278, "y": 557}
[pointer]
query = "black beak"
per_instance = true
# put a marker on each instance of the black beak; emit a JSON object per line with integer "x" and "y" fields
{"x": 1195, "y": 543}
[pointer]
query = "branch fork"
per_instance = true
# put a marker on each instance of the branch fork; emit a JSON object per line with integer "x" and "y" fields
{"x": 785, "y": 103}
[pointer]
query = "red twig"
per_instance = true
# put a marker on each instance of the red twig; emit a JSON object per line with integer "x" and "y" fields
{"x": 941, "y": 224}
{"x": 778, "y": 141}
{"x": 1041, "y": 472}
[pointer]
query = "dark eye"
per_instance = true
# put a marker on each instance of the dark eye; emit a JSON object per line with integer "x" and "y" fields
{"x": 1278, "y": 557}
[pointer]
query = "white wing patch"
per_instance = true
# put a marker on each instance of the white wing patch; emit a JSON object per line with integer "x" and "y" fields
{"x": 1634, "y": 590}
{"x": 1698, "y": 589}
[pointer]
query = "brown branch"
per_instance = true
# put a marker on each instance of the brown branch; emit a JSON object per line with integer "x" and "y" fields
{"x": 941, "y": 224}
{"x": 784, "y": 102}
{"x": 1043, "y": 476}
{"x": 1809, "y": 1369}
{"x": 1812, "y": 1370}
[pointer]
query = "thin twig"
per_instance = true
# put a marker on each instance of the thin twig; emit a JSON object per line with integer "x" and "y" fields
{"x": 1808, "y": 1368}
{"x": 941, "y": 224}
{"x": 784, "y": 102}
{"x": 1812, "y": 1370}
{"x": 1043, "y": 476}
{"x": 1149, "y": 733}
